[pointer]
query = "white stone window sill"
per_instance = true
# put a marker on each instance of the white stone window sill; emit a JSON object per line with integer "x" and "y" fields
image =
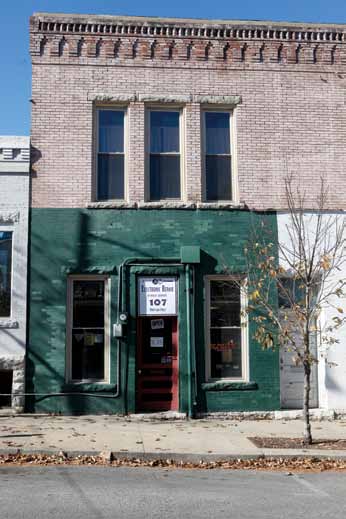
{"x": 112, "y": 204}
{"x": 221, "y": 205}
{"x": 167, "y": 204}
{"x": 8, "y": 323}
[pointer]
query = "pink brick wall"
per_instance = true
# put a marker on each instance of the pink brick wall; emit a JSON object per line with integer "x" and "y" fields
{"x": 292, "y": 118}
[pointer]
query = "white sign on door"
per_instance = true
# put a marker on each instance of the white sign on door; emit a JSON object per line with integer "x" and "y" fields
{"x": 157, "y": 296}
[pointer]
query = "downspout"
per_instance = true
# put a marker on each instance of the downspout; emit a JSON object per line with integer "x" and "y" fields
{"x": 193, "y": 343}
{"x": 188, "y": 339}
{"x": 117, "y": 393}
{"x": 122, "y": 308}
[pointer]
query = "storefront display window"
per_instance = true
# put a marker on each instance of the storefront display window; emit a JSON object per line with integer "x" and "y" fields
{"x": 226, "y": 335}
{"x": 88, "y": 338}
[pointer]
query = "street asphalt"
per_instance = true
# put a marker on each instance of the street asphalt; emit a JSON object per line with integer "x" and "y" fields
{"x": 100, "y": 493}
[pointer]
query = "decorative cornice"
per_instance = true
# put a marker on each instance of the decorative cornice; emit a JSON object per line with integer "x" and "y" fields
{"x": 118, "y": 40}
{"x": 14, "y": 154}
{"x": 14, "y": 149}
{"x": 49, "y": 23}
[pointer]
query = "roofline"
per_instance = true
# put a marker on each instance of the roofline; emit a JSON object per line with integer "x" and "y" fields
{"x": 192, "y": 21}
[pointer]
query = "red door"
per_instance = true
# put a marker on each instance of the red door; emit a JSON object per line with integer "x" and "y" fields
{"x": 157, "y": 364}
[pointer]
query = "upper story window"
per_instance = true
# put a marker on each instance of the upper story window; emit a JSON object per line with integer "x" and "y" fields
{"x": 218, "y": 156}
{"x": 5, "y": 273}
{"x": 164, "y": 154}
{"x": 227, "y": 349}
{"x": 110, "y": 154}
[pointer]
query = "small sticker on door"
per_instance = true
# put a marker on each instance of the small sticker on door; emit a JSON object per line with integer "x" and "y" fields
{"x": 156, "y": 342}
{"x": 157, "y": 324}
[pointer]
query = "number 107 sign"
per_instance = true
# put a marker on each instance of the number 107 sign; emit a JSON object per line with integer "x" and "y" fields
{"x": 157, "y": 296}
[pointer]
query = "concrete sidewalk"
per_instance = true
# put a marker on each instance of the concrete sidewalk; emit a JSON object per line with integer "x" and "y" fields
{"x": 180, "y": 439}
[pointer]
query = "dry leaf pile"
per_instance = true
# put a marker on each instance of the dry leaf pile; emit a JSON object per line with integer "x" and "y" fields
{"x": 274, "y": 442}
{"x": 295, "y": 464}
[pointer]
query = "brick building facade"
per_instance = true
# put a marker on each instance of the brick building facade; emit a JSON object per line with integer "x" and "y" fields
{"x": 201, "y": 121}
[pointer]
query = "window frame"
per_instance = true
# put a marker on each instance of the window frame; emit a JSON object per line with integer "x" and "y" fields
{"x": 115, "y": 108}
{"x": 182, "y": 118}
{"x": 10, "y": 228}
{"x": 244, "y": 326}
{"x": 69, "y": 325}
{"x": 231, "y": 111}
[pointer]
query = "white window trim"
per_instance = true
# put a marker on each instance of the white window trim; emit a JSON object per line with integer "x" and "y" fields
{"x": 232, "y": 111}
{"x": 9, "y": 228}
{"x": 182, "y": 132}
{"x": 244, "y": 329}
{"x": 115, "y": 108}
{"x": 69, "y": 322}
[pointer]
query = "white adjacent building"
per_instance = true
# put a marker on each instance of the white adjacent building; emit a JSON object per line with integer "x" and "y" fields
{"x": 14, "y": 209}
{"x": 329, "y": 374}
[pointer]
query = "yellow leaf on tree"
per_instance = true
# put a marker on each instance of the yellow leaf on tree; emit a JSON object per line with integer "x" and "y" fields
{"x": 255, "y": 294}
{"x": 325, "y": 262}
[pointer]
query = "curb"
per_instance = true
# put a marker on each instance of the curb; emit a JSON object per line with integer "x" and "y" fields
{"x": 184, "y": 458}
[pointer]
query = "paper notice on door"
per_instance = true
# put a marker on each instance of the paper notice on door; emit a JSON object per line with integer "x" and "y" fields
{"x": 157, "y": 324}
{"x": 156, "y": 342}
{"x": 157, "y": 296}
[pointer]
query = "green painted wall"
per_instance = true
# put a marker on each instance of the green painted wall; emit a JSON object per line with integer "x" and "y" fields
{"x": 77, "y": 241}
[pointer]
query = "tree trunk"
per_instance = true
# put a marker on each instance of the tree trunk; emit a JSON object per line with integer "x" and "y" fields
{"x": 306, "y": 406}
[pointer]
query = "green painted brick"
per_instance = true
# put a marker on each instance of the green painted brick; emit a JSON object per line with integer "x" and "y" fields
{"x": 86, "y": 241}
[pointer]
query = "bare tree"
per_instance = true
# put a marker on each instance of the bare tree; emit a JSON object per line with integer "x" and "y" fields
{"x": 307, "y": 276}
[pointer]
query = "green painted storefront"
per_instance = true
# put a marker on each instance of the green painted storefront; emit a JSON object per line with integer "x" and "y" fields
{"x": 66, "y": 242}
